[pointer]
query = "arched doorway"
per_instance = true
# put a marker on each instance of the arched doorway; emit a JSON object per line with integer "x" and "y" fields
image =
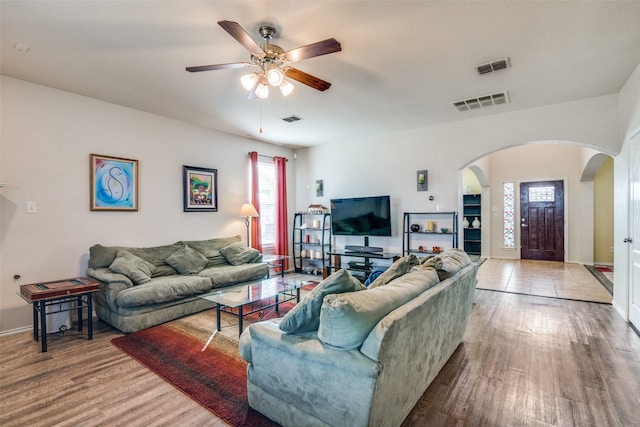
{"x": 570, "y": 162}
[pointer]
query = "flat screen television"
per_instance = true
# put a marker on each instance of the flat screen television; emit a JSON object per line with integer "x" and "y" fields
{"x": 361, "y": 216}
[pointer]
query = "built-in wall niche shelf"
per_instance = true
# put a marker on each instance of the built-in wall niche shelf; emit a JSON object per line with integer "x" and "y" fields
{"x": 472, "y": 211}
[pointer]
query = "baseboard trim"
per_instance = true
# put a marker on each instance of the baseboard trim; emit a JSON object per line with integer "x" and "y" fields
{"x": 16, "y": 331}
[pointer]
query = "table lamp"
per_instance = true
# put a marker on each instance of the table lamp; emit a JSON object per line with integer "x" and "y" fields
{"x": 248, "y": 211}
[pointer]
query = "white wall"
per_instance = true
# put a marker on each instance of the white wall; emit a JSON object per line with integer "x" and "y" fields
{"x": 387, "y": 164}
{"x": 46, "y": 138}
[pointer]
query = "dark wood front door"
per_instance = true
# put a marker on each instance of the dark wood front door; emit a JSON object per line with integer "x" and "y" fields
{"x": 542, "y": 220}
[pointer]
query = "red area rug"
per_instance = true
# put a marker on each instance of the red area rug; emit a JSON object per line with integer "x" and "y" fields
{"x": 604, "y": 268}
{"x": 208, "y": 370}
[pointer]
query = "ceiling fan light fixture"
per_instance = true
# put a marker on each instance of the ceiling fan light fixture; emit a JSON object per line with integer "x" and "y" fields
{"x": 262, "y": 90}
{"x": 249, "y": 80}
{"x": 275, "y": 77}
{"x": 286, "y": 87}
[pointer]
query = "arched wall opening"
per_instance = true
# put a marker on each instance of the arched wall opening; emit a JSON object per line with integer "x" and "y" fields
{"x": 574, "y": 163}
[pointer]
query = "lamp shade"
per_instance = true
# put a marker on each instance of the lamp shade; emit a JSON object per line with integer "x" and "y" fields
{"x": 275, "y": 77}
{"x": 249, "y": 81}
{"x": 262, "y": 90}
{"x": 247, "y": 210}
{"x": 286, "y": 88}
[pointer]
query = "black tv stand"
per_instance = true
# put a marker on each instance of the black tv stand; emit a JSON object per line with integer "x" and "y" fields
{"x": 359, "y": 268}
{"x": 365, "y": 248}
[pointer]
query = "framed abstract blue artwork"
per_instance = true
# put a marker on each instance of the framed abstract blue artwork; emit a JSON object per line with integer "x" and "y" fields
{"x": 114, "y": 183}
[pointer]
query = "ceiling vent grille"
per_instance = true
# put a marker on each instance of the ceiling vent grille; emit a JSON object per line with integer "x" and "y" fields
{"x": 482, "y": 101}
{"x": 490, "y": 67}
{"x": 292, "y": 119}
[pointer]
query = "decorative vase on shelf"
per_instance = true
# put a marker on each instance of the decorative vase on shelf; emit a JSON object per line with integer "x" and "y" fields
{"x": 415, "y": 228}
{"x": 465, "y": 222}
{"x": 476, "y": 223}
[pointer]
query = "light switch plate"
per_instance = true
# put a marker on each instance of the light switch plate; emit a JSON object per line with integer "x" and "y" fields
{"x": 32, "y": 207}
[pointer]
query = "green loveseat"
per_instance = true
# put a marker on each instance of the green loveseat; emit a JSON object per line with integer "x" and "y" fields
{"x": 360, "y": 357}
{"x": 143, "y": 287}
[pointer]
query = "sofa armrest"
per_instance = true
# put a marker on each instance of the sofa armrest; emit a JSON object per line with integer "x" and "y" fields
{"x": 305, "y": 347}
{"x": 109, "y": 279}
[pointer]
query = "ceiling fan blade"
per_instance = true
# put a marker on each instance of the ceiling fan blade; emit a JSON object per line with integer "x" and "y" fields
{"x": 314, "y": 49}
{"x": 219, "y": 66}
{"x": 237, "y": 32}
{"x": 307, "y": 79}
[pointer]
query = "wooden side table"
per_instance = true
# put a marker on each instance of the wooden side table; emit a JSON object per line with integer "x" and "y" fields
{"x": 77, "y": 291}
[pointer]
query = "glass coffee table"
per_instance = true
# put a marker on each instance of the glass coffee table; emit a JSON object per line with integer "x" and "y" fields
{"x": 247, "y": 298}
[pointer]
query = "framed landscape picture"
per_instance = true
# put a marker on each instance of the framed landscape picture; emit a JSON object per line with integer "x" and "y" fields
{"x": 114, "y": 183}
{"x": 200, "y": 189}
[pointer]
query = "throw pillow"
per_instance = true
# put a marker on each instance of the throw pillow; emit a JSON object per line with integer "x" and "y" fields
{"x": 238, "y": 253}
{"x": 187, "y": 260}
{"x": 448, "y": 262}
{"x": 132, "y": 266}
{"x": 397, "y": 269}
{"x": 305, "y": 316}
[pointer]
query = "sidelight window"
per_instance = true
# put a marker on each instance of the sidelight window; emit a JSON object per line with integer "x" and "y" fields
{"x": 509, "y": 240}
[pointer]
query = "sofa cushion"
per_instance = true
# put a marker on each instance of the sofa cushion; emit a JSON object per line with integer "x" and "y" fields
{"x": 448, "y": 262}
{"x": 211, "y": 248}
{"x": 397, "y": 269}
{"x": 163, "y": 289}
{"x": 238, "y": 253}
{"x": 225, "y": 275}
{"x": 132, "y": 266}
{"x": 102, "y": 256}
{"x": 187, "y": 260}
{"x": 346, "y": 319}
{"x": 305, "y": 316}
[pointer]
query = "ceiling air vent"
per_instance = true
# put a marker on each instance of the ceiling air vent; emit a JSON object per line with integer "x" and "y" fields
{"x": 292, "y": 119}
{"x": 490, "y": 67}
{"x": 482, "y": 101}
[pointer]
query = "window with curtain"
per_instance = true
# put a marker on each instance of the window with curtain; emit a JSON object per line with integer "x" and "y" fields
{"x": 267, "y": 180}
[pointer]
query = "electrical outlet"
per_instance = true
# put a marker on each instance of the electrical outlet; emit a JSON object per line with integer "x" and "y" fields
{"x": 32, "y": 207}
{"x": 611, "y": 249}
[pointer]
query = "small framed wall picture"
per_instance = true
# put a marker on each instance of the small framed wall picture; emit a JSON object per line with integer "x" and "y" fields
{"x": 200, "y": 189}
{"x": 114, "y": 183}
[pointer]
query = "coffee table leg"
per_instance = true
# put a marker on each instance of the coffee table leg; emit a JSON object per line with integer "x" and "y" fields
{"x": 240, "y": 321}
{"x": 277, "y": 306}
{"x": 43, "y": 326}
{"x": 298, "y": 295}
{"x": 218, "y": 316}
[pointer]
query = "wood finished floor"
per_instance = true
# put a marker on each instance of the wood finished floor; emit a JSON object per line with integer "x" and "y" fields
{"x": 525, "y": 361}
{"x": 543, "y": 278}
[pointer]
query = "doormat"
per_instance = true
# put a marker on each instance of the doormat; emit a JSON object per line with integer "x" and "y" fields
{"x": 206, "y": 367}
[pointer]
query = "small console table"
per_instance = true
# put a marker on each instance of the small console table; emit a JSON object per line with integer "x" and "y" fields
{"x": 43, "y": 294}
{"x": 363, "y": 267}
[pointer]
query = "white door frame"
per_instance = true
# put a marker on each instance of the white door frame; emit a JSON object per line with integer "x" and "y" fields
{"x": 633, "y": 235}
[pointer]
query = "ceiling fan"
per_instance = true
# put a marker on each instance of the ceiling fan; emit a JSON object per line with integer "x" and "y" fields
{"x": 273, "y": 61}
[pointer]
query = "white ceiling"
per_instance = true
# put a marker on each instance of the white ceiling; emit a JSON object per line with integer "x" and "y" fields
{"x": 402, "y": 62}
